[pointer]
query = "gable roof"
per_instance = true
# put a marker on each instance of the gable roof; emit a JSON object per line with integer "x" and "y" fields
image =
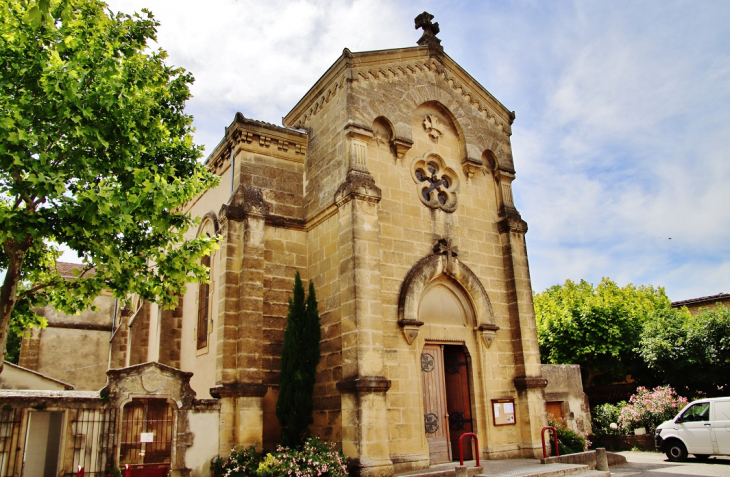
{"x": 403, "y": 61}
{"x": 18, "y": 377}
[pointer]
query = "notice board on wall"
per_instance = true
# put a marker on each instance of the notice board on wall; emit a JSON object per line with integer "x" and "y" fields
{"x": 503, "y": 411}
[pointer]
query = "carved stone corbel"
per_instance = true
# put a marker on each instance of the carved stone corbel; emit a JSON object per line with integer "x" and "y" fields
{"x": 488, "y": 332}
{"x": 400, "y": 146}
{"x": 471, "y": 166}
{"x": 410, "y": 329}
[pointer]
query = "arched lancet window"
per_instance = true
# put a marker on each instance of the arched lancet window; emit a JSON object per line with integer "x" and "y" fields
{"x": 209, "y": 226}
{"x": 203, "y": 306}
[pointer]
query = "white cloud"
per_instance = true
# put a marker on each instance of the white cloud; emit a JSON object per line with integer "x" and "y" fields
{"x": 622, "y": 136}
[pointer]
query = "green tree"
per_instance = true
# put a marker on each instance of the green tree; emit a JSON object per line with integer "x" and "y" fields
{"x": 299, "y": 359}
{"x": 96, "y": 154}
{"x": 597, "y": 328}
{"x": 690, "y": 353}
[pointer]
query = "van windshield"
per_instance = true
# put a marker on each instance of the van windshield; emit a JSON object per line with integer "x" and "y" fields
{"x": 697, "y": 412}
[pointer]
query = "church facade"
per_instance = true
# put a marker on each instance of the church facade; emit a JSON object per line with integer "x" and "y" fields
{"x": 389, "y": 186}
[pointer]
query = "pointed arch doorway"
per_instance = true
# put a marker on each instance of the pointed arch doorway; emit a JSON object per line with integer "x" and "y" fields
{"x": 446, "y": 401}
{"x": 445, "y": 370}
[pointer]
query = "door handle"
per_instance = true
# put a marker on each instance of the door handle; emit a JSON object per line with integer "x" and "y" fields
{"x": 707, "y": 424}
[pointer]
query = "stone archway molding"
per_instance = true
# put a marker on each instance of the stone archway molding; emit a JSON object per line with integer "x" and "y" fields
{"x": 444, "y": 261}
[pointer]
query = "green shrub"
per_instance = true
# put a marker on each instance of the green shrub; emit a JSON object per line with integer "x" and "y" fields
{"x": 603, "y": 415}
{"x": 315, "y": 458}
{"x": 242, "y": 462}
{"x": 299, "y": 359}
{"x": 569, "y": 441}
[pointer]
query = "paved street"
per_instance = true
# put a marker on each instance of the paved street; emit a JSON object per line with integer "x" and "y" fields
{"x": 654, "y": 464}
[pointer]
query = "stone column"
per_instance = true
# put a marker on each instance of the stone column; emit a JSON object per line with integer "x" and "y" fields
{"x": 528, "y": 380}
{"x": 363, "y": 387}
{"x": 240, "y": 320}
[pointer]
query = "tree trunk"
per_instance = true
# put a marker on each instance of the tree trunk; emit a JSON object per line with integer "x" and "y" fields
{"x": 9, "y": 292}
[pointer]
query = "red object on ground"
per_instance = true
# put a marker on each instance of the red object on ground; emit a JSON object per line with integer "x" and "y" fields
{"x": 461, "y": 446}
{"x": 555, "y": 434}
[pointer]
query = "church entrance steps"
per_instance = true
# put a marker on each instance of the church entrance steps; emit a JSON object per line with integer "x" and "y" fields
{"x": 508, "y": 468}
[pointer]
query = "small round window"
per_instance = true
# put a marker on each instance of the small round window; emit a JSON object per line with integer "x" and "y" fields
{"x": 437, "y": 184}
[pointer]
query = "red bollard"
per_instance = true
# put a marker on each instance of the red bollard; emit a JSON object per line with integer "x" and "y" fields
{"x": 81, "y": 472}
{"x": 127, "y": 470}
{"x": 555, "y": 435}
{"x": 461, "y": 447}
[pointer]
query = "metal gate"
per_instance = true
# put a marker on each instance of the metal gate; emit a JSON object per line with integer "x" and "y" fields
{"x": 147, "y": 430}
{"x": 93, "y": 432}
{"x": 10, "y": 457}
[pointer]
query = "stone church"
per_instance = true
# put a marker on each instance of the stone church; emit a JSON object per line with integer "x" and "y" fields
{"x": 389, "y": 186}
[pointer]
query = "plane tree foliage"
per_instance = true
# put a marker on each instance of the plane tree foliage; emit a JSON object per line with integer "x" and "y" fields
{"x": 598, "y": 327}
{"x": 690, "y": 353}
{"x": 96, "y": 154}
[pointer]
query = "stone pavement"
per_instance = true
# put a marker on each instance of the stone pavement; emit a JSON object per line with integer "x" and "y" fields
{"x": 509, "y": 468}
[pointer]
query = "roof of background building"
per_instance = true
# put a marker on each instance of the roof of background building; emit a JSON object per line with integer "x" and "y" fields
{"x": 702, "y": 299}
{"x": 66, "y": 269}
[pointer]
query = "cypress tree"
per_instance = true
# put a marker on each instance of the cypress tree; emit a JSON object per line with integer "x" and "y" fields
{"x": 299, "y": 359}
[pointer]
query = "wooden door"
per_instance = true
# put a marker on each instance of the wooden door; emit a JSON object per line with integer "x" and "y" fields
{"x": 554, "y": 410}
{"x": 458, "y": 402}
{"x": 147, "y": 433}
{"x": 436, "y": 420}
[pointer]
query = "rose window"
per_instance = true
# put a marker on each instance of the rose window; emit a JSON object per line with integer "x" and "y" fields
{"x": 436, "y": 183}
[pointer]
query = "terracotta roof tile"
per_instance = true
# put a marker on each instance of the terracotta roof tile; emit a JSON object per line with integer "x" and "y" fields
{"x": 702, "y": 299}
{"x": 66, "y": 269}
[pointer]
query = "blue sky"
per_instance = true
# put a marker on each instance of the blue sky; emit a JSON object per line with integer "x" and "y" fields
{"x": 622, "y": 136}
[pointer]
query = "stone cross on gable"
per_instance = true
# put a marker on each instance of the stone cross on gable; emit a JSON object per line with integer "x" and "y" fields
{"x": 430, "y": 30}
{"x": 446, "y": 247}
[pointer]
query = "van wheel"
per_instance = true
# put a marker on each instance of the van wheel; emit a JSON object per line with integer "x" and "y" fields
{"x": 676, "y": 452}
{"x": 702, "y": 457}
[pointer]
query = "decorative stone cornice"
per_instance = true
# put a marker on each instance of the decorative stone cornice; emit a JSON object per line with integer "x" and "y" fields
{"x": 79, "y": 326}
{"x": 530, "y": 382}
{"x": 239, "y": 390}
{"x": 471, "y": 95}
{"x": 364, "y": 385}
{"x": 359, "y": 186}
{"x": 257, "y": 136}
{"x": 374, "y": 65}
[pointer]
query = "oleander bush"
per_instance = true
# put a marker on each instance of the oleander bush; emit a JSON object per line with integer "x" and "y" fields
{"x": 648, "y": 409}
{"x": 314, "y": 458}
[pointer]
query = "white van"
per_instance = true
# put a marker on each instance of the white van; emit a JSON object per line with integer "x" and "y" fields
{"x": 702, "y": 428}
